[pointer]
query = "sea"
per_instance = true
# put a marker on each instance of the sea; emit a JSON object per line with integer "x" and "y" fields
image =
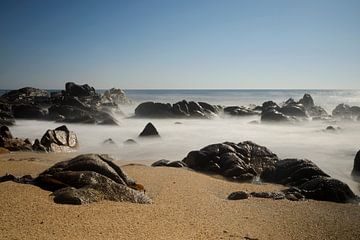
{"x": 333, "y": 152}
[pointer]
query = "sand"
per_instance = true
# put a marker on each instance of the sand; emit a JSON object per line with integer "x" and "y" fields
{"x": 187, "y": 205}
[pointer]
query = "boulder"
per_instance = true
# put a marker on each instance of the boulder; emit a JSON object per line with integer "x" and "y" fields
{"x": 10, "y": 143}
{"x": 59, "y": 140}
{"x": 307, "y": 101}
{"x": 85, "y": 179}
{"x": 356, "y": 169}
{"x": 272, "y": 115}
{"x": 312, "y": 182}
{"x": 149, "y": 131}
{"x": 73, "y": 89}
{"x": 239, "y": 111}
{"x": 240, "y": 195}
{"x": 342, "y": 111}
{"x": 152, "y": 109}
{"x": 294, "y": 110}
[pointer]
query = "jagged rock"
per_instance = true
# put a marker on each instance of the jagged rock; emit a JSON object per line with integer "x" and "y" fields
{"x": 38, "y": 147}
{"x": 294, "y": 110}
{"x": 149, "y": 131}
{"x": 356, "y": 169}
{"x": 13, "y": 144}
{"x": 307, "y": 101}
{"x": 59, "y": 140}
{"x": 238, "y": 195}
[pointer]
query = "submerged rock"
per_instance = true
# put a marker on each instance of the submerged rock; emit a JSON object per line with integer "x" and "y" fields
{"x": 149, "y": 131}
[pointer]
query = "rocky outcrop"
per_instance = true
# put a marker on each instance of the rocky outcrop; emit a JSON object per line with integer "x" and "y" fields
{"x": 75, "y": 90}
{"x": 85, "y": 179}
{"x": 240, "y": 111}
{"x": 181, "y": 109}
{"x": 292, "y": 110}
{"x": 344, "y": 111}
{"x": 356, "y": 169}
{"x": 27, "y": 95}
{"x": 28, "y": 111}
{"x": 59, "y": 140}
{"x": 311, "y": 181}
{"x": 149, "y": 131}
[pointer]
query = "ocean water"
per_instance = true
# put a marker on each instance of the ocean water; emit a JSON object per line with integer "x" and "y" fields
{"x": 332, "y": 152}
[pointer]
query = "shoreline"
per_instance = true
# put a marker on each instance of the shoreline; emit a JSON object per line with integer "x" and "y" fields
{"x": 187, "y": 205}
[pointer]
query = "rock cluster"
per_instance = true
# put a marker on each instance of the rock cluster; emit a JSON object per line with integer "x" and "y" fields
{"x": 85, "y": 179}
{"x": 291, "y": 110}
{"x": 344, "y": 111}
{"x": 57, "y": 140}
{"x": 246, "y": 160}
{"x": 75, "y": 104}
{"x": 181, "y": 109}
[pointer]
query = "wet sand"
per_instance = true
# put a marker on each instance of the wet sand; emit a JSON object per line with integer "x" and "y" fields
{"x": 187, "y": 205}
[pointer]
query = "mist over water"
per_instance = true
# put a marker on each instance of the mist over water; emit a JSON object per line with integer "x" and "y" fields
{"x": 333, "y": 152}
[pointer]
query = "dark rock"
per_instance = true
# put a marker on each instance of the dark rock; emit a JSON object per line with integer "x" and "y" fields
{"x": 70, "y": 114}
{"x": 176, "y": 164}
{"x": 342, "y": 111}
{"x": 238, "y": 195}
{"x": 356, "y": 169}
{"x": 10, "y": 143}
{"x": 27, "y": 95}
{"x": 59, "y": 140}
{"x": 76, "y": 90}
{"x": 273, "y": 195}
{"x": 5, "y": 132}
{"x": 6, "y": 118}
{"x": 309, "y": 179}
{"x": 90, "y": 178}
{"x": 28, "y": 111}
{"x": 149, "y": 131}
{"x": 151, "y": 109}
{"x": 272, "y": 115}
{"x": 239, "y": 111}
{"x": 209, "y": 107}
{"x": 330, "y": 129}
{"x": 294, "y": 110}
{"x": 38, "y": 147}
{"x": 307, "y": 101}
{"x": 317, "y": 111}
{"x": 270, "y": 105}
{"x": 160, "y": 163}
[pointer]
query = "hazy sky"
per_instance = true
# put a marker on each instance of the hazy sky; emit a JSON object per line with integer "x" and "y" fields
{"x": 180, "y": 44}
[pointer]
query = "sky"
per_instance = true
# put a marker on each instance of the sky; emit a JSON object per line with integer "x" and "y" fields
{"x": 203, "y": 44}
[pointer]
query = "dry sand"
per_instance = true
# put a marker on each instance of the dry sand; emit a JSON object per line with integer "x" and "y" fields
{"x": 187, "y": 205}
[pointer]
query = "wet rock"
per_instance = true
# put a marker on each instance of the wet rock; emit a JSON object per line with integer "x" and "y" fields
{"x": 294, "y": 111}
{"x": 272, "y": 115}
{"x": 10, "y": 143}
{"x": 5, "y": 132}
{"x": 272, "y": 195}
{"x": 149, "y": 131}
{"x": 356, "y": 169}
{"x": 238, "y": 195}
{"x": 344, "y": 111}
{"x": 176, "y": 164}
{"x": 59, "y": 140}
{"x": 151, "y": 109}
{"x": 38, "y": 147}
{"x": 307, "y": 101}
{"x": 6, "y": 118}
{"x": 331, "y": 129}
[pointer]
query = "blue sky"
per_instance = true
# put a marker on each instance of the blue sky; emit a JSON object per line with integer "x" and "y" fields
{"x": 180, "y": 44}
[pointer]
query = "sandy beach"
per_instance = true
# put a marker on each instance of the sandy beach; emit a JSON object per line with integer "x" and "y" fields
{"x": 187, "y": 205}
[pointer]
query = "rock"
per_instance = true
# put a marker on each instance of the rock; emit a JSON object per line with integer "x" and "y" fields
{"x": 307, "y": 101}
{"x": 70, "y": 114}
{"x": 149, "y": 131}
{"x": 242, "y": 161}
{"x": 273, "y": 195}
{"x": 27, "y": 95}
{"x": 273, "y": 115}
{"x": 38, "y": 147}
{"x": 5, "y": 132}
{"x": 176, "y": 164}
{"x": 238, "y": 195}
{"x": 345, "y": 111}
{"x": 76, "y": 90}
{"x": 294, "y": 111}
{"x": 87, "y": 178}
{"x": 10, "y": 143}
{"x": 4, "y": 150}
{"x": 356, "y": 169}
{"x": 160, "y": 163}
{"x": 6, "y": 117}
{"x": 109, "y": 141}
{"x": 130, "y": 141}
{"x": 209, "y": 107}
{"x": 28, "y": 111}
{"x": 59, "y": 140}
{"x": 309, "y": 179}
{"x": 239, "y": 111}
{"x": 330, "y": 129}
{"x": 151, "y": 109}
